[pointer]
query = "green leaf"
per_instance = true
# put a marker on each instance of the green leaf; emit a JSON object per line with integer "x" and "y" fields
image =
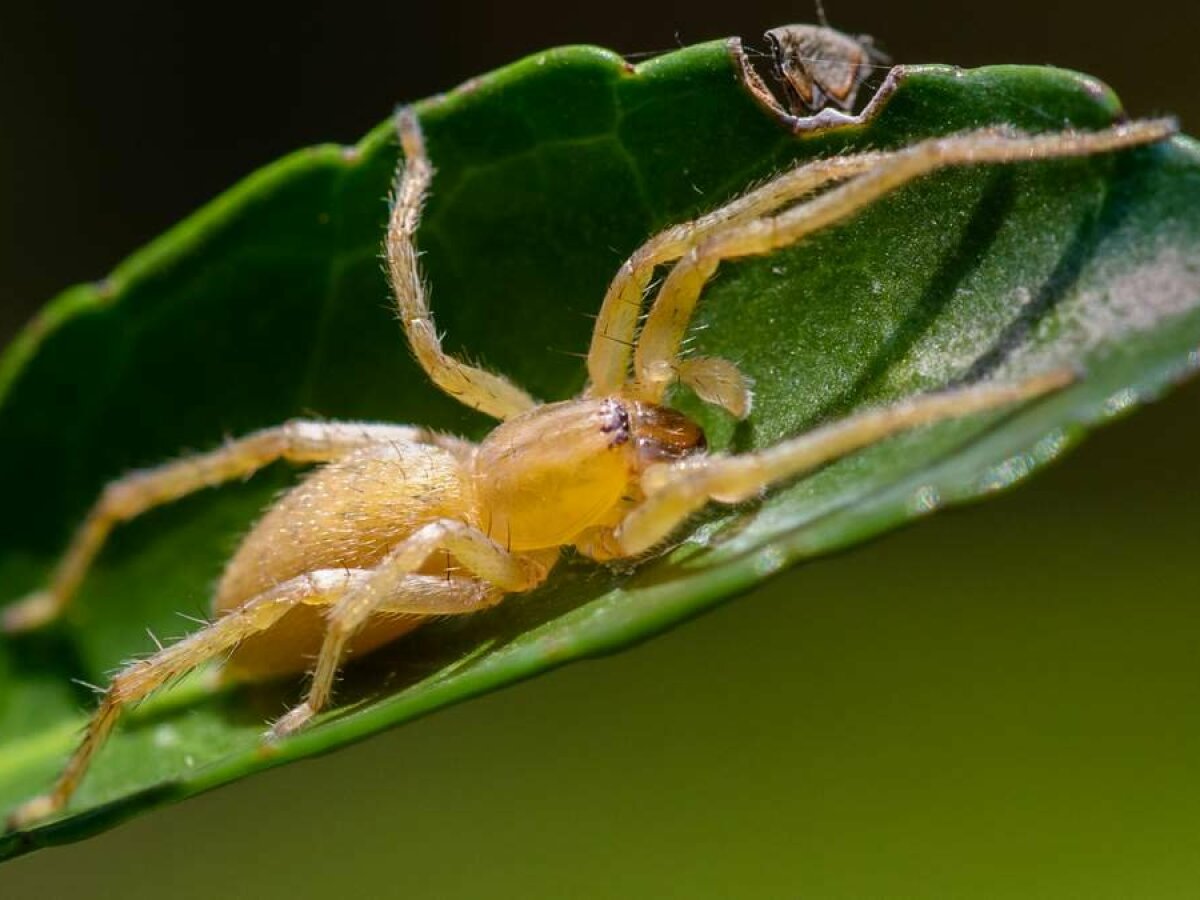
{"x": 270, "y": 303}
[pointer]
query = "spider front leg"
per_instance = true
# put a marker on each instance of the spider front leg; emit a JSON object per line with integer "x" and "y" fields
{"x": 613, "y": 335}
{"x": 657, "y": 363}
{"x": 139, "y": 679}
{"x": 141, "y": 491}
{"x": 674, "y": 491}
{"x": 392, "y": 588}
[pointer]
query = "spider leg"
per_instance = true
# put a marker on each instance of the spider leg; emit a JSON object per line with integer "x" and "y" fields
{"x": 676, "y": 490}
{"x": 391, "y": 588}
{"x": 138, "y": 492}
{"x": 656, "y": 360}
{"x": 139, "y": 679}
{"x": 613, "y": 336}
{"x": 485, "y": 391}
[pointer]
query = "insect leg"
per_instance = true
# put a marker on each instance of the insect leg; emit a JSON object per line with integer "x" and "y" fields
{"x": 485, "y": 391}
{"x": 392, "y": 587}
{"x": 676, "y": 490}
{"x": 137, "y": 680}
{"x": 656, "y": 361}
{"x": 138, "y": 492}
{"x": 826, "y": 119}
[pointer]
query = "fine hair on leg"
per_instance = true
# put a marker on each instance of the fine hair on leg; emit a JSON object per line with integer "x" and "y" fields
{"x": 611, "y": 350}
{"x": 656, "y": 357}
{"x": 139, "y": 679}
{"x": 477, "y": 388}
{"x": 494, "y": 572}
{"x": 674, "y": 491}
{"x": 139, "y": 492}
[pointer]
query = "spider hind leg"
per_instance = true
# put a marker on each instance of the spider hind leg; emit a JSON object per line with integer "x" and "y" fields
{"x": 141, "y": 491}
{"x": 140, "y": 679}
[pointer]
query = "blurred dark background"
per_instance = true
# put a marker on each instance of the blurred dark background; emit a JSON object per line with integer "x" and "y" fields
{"x": 1043, "y": 741}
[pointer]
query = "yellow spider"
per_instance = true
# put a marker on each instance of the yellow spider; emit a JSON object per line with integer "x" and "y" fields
{"x": 401, "y": 524}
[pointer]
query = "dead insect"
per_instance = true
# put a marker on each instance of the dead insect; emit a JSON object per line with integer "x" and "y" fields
{"x": 817, "y": 65}
{"x": 401, "y": 525}
{"x": 821, "y": 71}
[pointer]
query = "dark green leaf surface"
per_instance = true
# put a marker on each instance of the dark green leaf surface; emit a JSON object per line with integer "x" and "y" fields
{"x": 270, "y": 304}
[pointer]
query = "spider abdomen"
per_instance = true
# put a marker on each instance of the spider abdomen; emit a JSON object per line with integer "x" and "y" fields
{"x": 346, "y": 515}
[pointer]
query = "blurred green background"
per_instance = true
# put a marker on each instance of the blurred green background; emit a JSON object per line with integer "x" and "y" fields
{"x": 999, "y": 702}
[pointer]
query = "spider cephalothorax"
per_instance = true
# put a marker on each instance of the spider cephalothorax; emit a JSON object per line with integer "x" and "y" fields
{"x": 590, "y": 456}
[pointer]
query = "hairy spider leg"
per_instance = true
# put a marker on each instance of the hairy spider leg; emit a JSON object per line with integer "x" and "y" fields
{"x": 137, "y": 680}
{"x": 656, "y": 358}
{"x": 485, "y": 391}
{"x": 496, "y": 572}
{"x": 611, "y": 350}
{"x": 139, "y": 492}
{"x": 675, "y": 491}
